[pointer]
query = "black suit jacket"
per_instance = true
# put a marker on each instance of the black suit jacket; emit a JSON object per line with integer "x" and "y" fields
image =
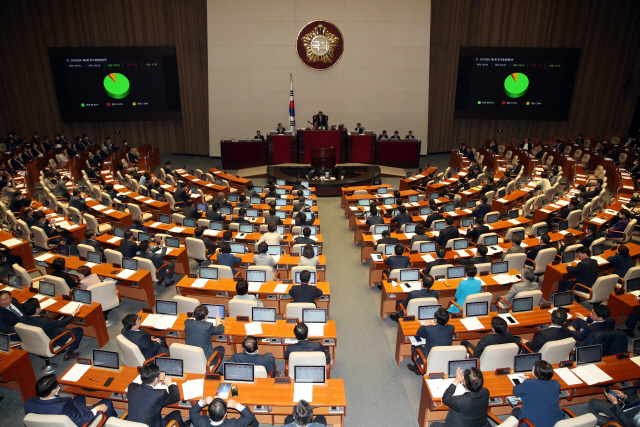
{"x": 474, "y": 260}
{"x": 306, "y": 345}
{"x": 587, "y": 271}
{"x": 435, "y": 335}
{"x": 439, "y": 261}
{"x": 52, "y": 328}
{"x": 180, "y": 195}
{"x": 8, "y": 319}
{"x": 533, "y": 252}
{"x": 543, "y": 337}
{"x": 214, "y": 216}
{"x": 467, "y": 410}
{"x": 142, "y": 339}
{"x": 587, "y": 241}
{"x": 402, "y": 219}
{"x": 492, "y": 339}
{"x": 320, "y": 121}
{"x": 128, "y": 248}
{"x": 607, "y": 325}
{"x": 191, "y": 212}
{"x": 198, "y": 420}
{"x": 477, "y": 232}
{"x": 433, "y": 217}
{"x": 146, "y": 403}
{"x": 446, "y": 235}
{"x": 387, "y": 241}
{"x": 305, "y": 293}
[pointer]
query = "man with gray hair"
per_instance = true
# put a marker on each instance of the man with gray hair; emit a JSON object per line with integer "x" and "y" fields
{"x": 527, "y": 284}
{"x": 515, "y": 247}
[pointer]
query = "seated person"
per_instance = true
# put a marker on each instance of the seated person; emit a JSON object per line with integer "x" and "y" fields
{"x": 528, "y": 283}
{"x": 545, "y": 243}
{"x": 515, "y": 248}
{"x": 448, "y": 233}
{"x": 164, "y": 269}
{"x": 499, "y": 335}
{"x": 240, "y": 218}
{"x": 303, "y": 416}
{"x": 586, "y": 269}
{"x": 77, "y": 201}
{"x": 308, "y": 257}
{"x": 304, "y": 292}
{"x": 210, "y": 247}
{"x": 374, "y": 218}
{"x": 420, "y": 235}
{"x": 217, "y": 413}
{"x": 465, "y": 288}
{"x": 482, "y": 209}
{"x": 138, "y": 224}
{"x": 591, "y": 234}
{"x": 386, "y": 240}
{"x": 554, "y": 332}
{"x": 243, "y": 202}
{"x": 262, "y": 258}
{"x": 440, "y": 254}
{"x": 469, "y": 409}
{"x": 425, "y": 292}
{"x": 52, "y": 233}
{"x": 480, "y": 258}
{"x": 146, "y": 401}
{"x": 301, "y": 331}
{"x": 213, "y": 214}
{"x": 10, "y": 314}
{"x": 48, "y": 402}
{"x": 190, "y": 211}
{"x": 272, "y": 192}
{"x": 250, "y": 192}
{"x": 539, "y": 395}
{"x": 617, "y": 231}
{"x": 403, "y": 217}
{"x": 305, "y": 239}
{"x": 149, "y": 346}
{"x": 90, "y": 240}
{"x": 251, "y": 355}
{"x": 242, "y": 289}
{"x": 303, "y": 219}
{"x": 271, "y": 237}
{"x": 621, "y": 261}
{"x": 87, "y": 278}
{"x": 599, "y": 320}
{"x": 395, "y": 261}
{"x": 622, "y": 408}
{"x": 59, "y": 270}
{"x": 225, "y": 257}
{"x": 436, "y": 333}
{"x": 198, "y": 332}
{"x": 272, "y": 217}
{"x": 476, "y": 230}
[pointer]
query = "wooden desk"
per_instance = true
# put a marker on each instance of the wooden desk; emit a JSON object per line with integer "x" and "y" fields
{"x": 419, "y": 179}
{"x": 16, "y": 372}
{"x": 21, "y": 250}
{"x": 234, "y": 180}
{"x": 622, "y": 306}
{"x": 403, "y": 153}
{"x": 284, "y": 265}
{"x": 282, "y": 148}
{"x": 243, "y": 154}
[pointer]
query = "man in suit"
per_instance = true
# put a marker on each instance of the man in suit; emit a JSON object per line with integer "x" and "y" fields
{"x": 383, "y": 135}
{"x": 10, "y": 314}
{"x": 386, "y": 240}
{"x": 493, "y": 147}
{"x": 305, "y": 292}
{"x": 526, "y": 145}
{"x": 164, "y": 269}
{"x": 280, "y": 129}
{"x": 517, "y": 168}
{"x": 31, "y": 316}
{"x": 167, "y": 168}
{"x": 271, "y": 193}
{"x": 476, "y": 230}
{"x": 586, "y": 269}
{"x": 436, "y": 215}
{"x": 580, "y": 140}
{"x": 251, "y": 355}
{"x": 258, "y": 136}
{"x": 181, "y": 194}
{"x": 591, "y": 235}
{"x": 47, "y": 145}
{"x": 138, "y": 224}
{"x": 27, "y": 217}
{"x": 420, "y": 235}
{"x": 403, "y": 217}
{"x": 436, "y": 333}
{"x": 49, "y": 231}
{"x": 77, "y": 201}
{"x": 515, "y": 247}
{"x": 149, "y": 346}
{"x": 240, "y": 219}
{"x": 146, "y": 402}
{"x": 301, "y": 332}
{"x": 564, "y": 213}
{"x": 622, "y": 409}
{"x": 48, "y": 402}
{"x": 199, "y": 332}
{"x": 128, "y": 248}
{"x": 250, "y": 192}
{"x": 132, "y": 157}
{"x": 499, "y": 335}
{"x": 305, "y": 239}
{"x": 462, "y": 185}
{"x": 440, "y": 254}
{"x": 217, "y": 414}
{"x": 469, "y": 409}
{"x": 90, "y": 240}
{"x": 621, "y": 261}
{"x": 299, "y": 204}
{"x": 190, "y": 211}
{"x": 272, "y": 217}
{"x": 488, "y": 185}
{"x": 396, "y": 135}
{"x": 243, "y": 202}
{"x": 303, "y": 416}
{"x": 480, "y": 258}
{"x": 425, "y": 292}
{"x": 60, "y": 188}
{"x": 527, "y": 284}
{"x": 582, "y": 200}
{"x": 596, "y": 190}
{"x": 305, "y": 218}
{"x": 554, "y": 332}
{"x": 629, "y": 143}
{"x": 210, "y": 247}
{"x": 450, "y": 232}
{"x": 482, "y": 209}
{"x": 212, "y": 214}
{"x": 93, "y": 175}
{"x": 545, "y": 241}
{"x": 410, "y": 136}
{"x": 635, "y": 170}
{"x": 320, "y": 120}
{"x": 396, "y": 261}
{"x": 599, "y": 320}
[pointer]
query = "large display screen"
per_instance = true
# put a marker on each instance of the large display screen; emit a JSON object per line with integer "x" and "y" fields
{"x": 515, "y": 83}
{"x": 116, "y": 83}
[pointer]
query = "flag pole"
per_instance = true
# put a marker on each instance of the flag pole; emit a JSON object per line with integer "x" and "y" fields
{"x": 292, "y": 111}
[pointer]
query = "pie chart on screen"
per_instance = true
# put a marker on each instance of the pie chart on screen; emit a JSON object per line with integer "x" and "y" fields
{"x": 116, "y": 85}
{"x": 516, "y": 85}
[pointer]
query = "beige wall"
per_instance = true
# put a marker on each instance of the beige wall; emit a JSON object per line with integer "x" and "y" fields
{"x": 381, "y": 81}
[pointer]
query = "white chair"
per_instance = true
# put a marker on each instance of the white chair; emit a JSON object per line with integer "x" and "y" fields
{"x": 293, "y": 310}
{"x": 483, "y": 268}
{"x": 632, "y": 273}
{"x": 186, "y": 304}
{"x": 106, "y": 294}
{"x": 439, "y": 358}
{"x": 136, "y": 212}
{"x": 113, "y": 256}
{"x": 450, "y": 243}
{"x": 26, "y": 233}
{"x": 131, "y": 354}
{"x": 195, "y": 361}
{"x": 94, "y": 224}
{"x": 574, "y": 219}
{"x": 516, "y": 261}
{"x": 147, "y": 264}
{"x": 241, "y": 308}
{"x": 48, "y": 420}
{"x": 498, "y": 356}
{"x": 119, "y": 422}
{"x": 510, "y": 232}
{"x": 61, "y": 285}
{"x": 536, "y": 295}
{"x": 586, "y": 420}
{"x": 557, "y": 351}
{"x": 305, "y": 358}
{"x": 527, "y": 209}
{"x": 625, "y": 236}
{"x": 596, "y": 242}
{"x": 482, "y": 237}
{"x": 41, "y": 240}
{"x": 269, "y": 273}
{"x": 196, "y": 249}
{"x": 83, "y": 249}
{"x": 438, "y": 221}
{"x": 534, "y": 228}
{"x": 439, "y": 270}
{"x": 35, "y": 341}
{"x": 414, "y": 305}
{"x": 600, "y": 291}
{"x": 177, "y": 218}
{"x": 27, "y": 280}
{"x": 544, "y": 257}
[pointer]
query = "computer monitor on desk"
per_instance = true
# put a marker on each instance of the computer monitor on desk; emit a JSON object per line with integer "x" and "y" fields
{"x": 633, "y": 285}
{"x": 48, "y": 289}
{"x": 389, "y": 250}
{"x": 456, "y": 272}
{"x": 636, "y": 347}
{"x": 424, "y": 210}
{"x": 542, "y": 230}
{"x": 189, "y": 222}
{"x": 238, "y": 248}
{"x": 434, "y": 195}
{"x": 130, "y": 264}
{"x": 382, "y": 190}
{"x": 491, "y": 240}
{"x": 568, "y": 256}
{"x": 144, "y": 236}
{"x": 310, "y": 375}
{"x": 477, "y": 309}
{"x": 263, "y": 314}
{"x": 563, "y": 225}
{"x": 514, "y": 213}
{"x": 210, "y": 273}
{"x": 14, "y": 281}
{"x": 410, "y": 228}
{"x": 409, "y": 275}
{"x": 427, "y": 247}
{"x": 426, "y": 312}
{"x": 562, "y": 299}
{"x": 245, "y": 228}
{"x": 216, "y": 226}
{"x": 449, "y": 207}
{"x": 471, "y": 204}
{"x": 64, "y": 250}
{"x": 439, "y": 225}
{"x": 519, "y": 305}
{"x": 519, "y": 233}
{"x": 314, "y": 315}
{"x": 589, "y": 354}
{"x": 499, "y": 267}
{"x": 238, "y": 372}
{"x": 492, "y": 218}
{"x": 167, "y": 307}
{"x": 460, "y": 244}
{"x": 171, "y": 367}
{"x": 467, "y": 222}
{"x": 106, "y": 359}
{"x": 597, "y": 249}
{"x": 525, "y": 362}
{"x": 312, "y": 279}
{"x": 259, "y": 276}
{"x": 462, "y": 364}
{"x": 216, "y": 310}
{"x": 378, "y": 229}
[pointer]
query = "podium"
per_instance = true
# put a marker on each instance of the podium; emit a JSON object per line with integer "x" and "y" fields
{"x": 282, "y": 148}
{"x": 310, "y": 139}
{"x": 323, "y": 158}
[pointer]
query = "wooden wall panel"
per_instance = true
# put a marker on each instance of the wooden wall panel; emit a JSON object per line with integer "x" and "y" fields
{"x": 606, "y": 31}
{"x": 27, "y": 94}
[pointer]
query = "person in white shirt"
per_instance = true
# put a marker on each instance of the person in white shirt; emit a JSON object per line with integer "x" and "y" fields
{"x": 272, "y": 237}
{"x": 242, "y": 287}
{"x": 308, "y": 257}
{"x": 262, "y": 258}
{"x": 544, "y": 182}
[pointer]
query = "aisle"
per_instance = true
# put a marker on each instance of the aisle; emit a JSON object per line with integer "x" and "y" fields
{"x": 374, "y": 390}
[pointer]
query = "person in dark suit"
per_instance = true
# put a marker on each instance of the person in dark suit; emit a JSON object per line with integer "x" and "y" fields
{"x": 526, "y": 145}
{"x": 482, "y": 209}
{"x": 599, "y": 320}
{"x": 301, "y": 332}
{"x": 90, "y": 240}
{"x": 128, "y": 248}
{"x": 48, "y": 402}
{"x": 469, "y": 409}
{"x": 596, "y": 190}
{"x": 386, "y": 239}
{"x": 164, "y": 270}
{"x": 198, "y": 331}
{"x": 395, "y": 262}
{"x": 31, "y": 316}
{"x": 190, "y": 211}
{"x": 564, "y": 212}
{"x": 374, "y": 218}
{"x": 132, "y": 157}
{"x": 440, "y": 254}
{"x": 41, "y": 222}
{"x": 16, "y": 163}
{"x": 622, "y": 408}
{"x": 212, "y": 214}
{"x": 476, "y": 230}
{"x": 251, "y": 355}
{"x": 225, "y": 257}
{"x": 403, "y": 217}
{"x": 15, "y": 205}
{"x": 436, "y": 333}
{"x": 305, "y": 292}
{"x": 10, "y": 314}
{"x": 480, "y": 258}
{"x": 138, "y": 224}
{"x": 27, "y": 217}
{"x": 217, "y": 414}
{"x": 250, "y": 192}
{"x": 586, "y": 269}
{"x": 77, "y": 201}
{"x": 272, "y": 192}
{"x": 420, "y": 235}
{"x": 146, "y": 402}
{"x": 59, "y": 270}
{"x": 539, "y": 395}
{"x": 517, "y": 168}
{"x": 488, "y": 186}
{"x": 303, "y": 416}
{"x": 258, "y": 136}
{"x": 280, "y": 129}
{"x": 47, "y": 145}
{"x": 396, "y": 135}
{"x": 635, "y": 170}
{"x": 493, "y": 147}
{"x": 305, "y": 239}
{"x": 450, "y": 232}
{"x": 499, "y": 335}
{"x": 167, "y": 168}
{"x": 580, "y": 140}
{"x": 554, "y": 332}
{"x": 436, "y": 215}
{"x": 425, "y": 292}
{"x": 299, "y": 204}
{"x": 149, "y": 346}
{"x": 209, "y": 246}
{"x": 320, "y": 120}
{"x": 272, "y": 217}
{"x": 182, "y": 192}
{"x": 545, "y": 241}
{"x": 621, "y": 261}
{"x": 591, "y": 235}
{"x": 410, "y": 136}
{"x": 305, "y": 218}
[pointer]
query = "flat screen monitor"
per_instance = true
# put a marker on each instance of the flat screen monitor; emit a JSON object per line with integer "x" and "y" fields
{"x": 525, "y": 362}
{"x": 94, "y": 257}
{"x": 258, "y": 189}
{"x": 74, "y": 219}
{"x": 456, "y": 272}
{"x": 475, "y": 309}
{"x": 462, "y": 364}
{"x": 562, "y": 299}
{"x": 19, "y": 235}
{"x": 389, "y": 250}
{"x": 263, "y": 314}
{"x": 471, "y": 204}
{"x": 245, "y": 228}
{"x": 434, "y": 196}
{"x": 492, "y": 218}
{"x": 144, "y": 192}
{"x": 490, "y": 240}
{"x": 306, "y": 192}
{"x": 568, "y": 256}
{"x": 254, "y": 200}
{"x": 439, "y": 225}
{"x": 232, "y": 198}
{"x": 519, "y": 233}
{"x": 449, "y": 207}
{"x": 210, "y": 273}
{"x": 160, "y": 198}
{"x": 281, "y": 214}
{"x": 166, "y": 307}
{"x": 543, "y": 202}
{"x": 189, "y": 222}
{"x": 499, "y": 267}
{"x": 238, "y": 248}
{"x": 597, "y": 249}
{"x": 64, "y": 250}
{"x": 60, "y": 211}
{"x": 426, "y": 312}
{"x": 306, "y": 184}
{"x": 409, "y": 175}
{"x": 378, "y": 229}
{"x": 48, "y": 289}
{"x": 14, "y": 281}
{"x": 283, "y": 202}
{"x": 215, "y": 310}
{"x": 514, "y": 213}
{"x": 427, "y": 247}
{"x": 364, "y": 202}
{"x": 201, "y": 207}
{"x": 252, "y": 213}
{"x": 519, "y": 305}
{"x": 119, "y": 232}
{"x": 225, "y": 210}
{"x": 410, "y": 228}
{"x": 81, "y": 295}
{"x": 410, "y": 275}
{"x": 171, "y": 367}
{"x": 215, "y": 225}
{"x": 106, "y": 359}
{"x": 502, "y": 193}
{"x": 467, "y": 222}
{"x": 314, "y": 315}
{"x": 382, "y": 190}
{"x": 563, "y": 225}
{"x": 460, "y": 244}
{"x": 238, "y": 372}
{"x": 542, "y": 230}
{"x": 281, "y": 191}
{"x": 312, "y": 279}
{"x": 172, "y": 242}
{"x": 633, "y": 285}
{"x": 280, "y": 229}
{"x": 274, "y": 250}
{"x": 5, "y": 343}
{"x": 259, "y": 276}
{"x": 310, "y": 375}
{"x": 281, "y": 182}
{"x": 589, "y": 354}
{"x": 164, "y": 219}
{"x": 636, "y": 347}
{"x": 389, "y": 201}
{"x": 130, "y": 264}
{"x": 144, "y": 236}
{"x": 425, "y": 210}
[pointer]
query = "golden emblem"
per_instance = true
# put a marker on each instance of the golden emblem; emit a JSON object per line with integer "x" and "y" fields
{"x": 320, "y": 45}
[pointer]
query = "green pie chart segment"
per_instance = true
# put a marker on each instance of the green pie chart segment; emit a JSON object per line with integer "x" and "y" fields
{"x": 116, "y": 85}
{"x": 516, "y": 85}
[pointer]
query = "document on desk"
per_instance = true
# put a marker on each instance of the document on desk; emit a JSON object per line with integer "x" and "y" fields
{"x": 636, "y": 360}
{"x": 410, "y": 286}
{"x": 254, "y": 287}
{"x": 199, "y": 283}
{"x": 114, "y": 239}
{"x": 46, "y": 303}
{"x": 417, "y": 341}
{"x": 151, "y": 320}
{"x": 253, "y": 328}
{"x": 302, "y": 391}
{"x": 70, "y": 307}
{"x": 192, "y": 389}
{"x": 165, "y": 322}
{"x": 591, "y": 374}
{"x": 472, "y": 323}
{"x": 462, "y": 253}
{"x": 504, "y": 279}
{"x": 376, "y": 236}
{"x": 177, "y": 230}
{"x": 598, "y": 220}
{"x": 211, "y": 232}
{"x": 125, "y": 274}
{"x": 409, "y": 235}
{"x": 75, "y": 373}
{"x": 281, "y": 288}
{"x": 91, "y": 264}
{"x": 567, "y": 376}
{"x": 11, "y": 242}
{"x": 453, "y": 213}
{"x": 156, "y": 224}
{"x": 600, "y": 260}
{"x": 514, "y": 221}
{"x": 44, "y": 257}
{"x": 438, "y": 387}
{"x": 428, "y": 258}
{"x": 316, "y": 329}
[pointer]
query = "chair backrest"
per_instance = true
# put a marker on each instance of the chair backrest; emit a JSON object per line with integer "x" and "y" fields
{"x": 48, "y": 420}
{"x": 131, "y": 354}
{"x": 34, "y": 340}
{"x": 536, "y": 295}
{"x": 134, "y": 210}
{"x": 603, "y": 287}
{"x": 528, "y": 208}
{"x": 415, "y": 303}
{"x": 439, "y": 270}
{"x": 24, "y": 274}
{"x": 490, "y": 195}
{"x": 628, "y": 232}
{"x": 106, "y": 294}
{"x": 632, "y": 273}
{"x": 483, "y": 268}
{"x": 544, "y": 257}
{"x": 195, "y": 361}
{"x": 511, "y": 231}
{"x": 516, "y": 261}
{"x": 293, "y": 310}
{"x": 40, "y": 238}
{"x": 61, "y": 285}
{"x": 92, "y": 223}
{"x": 186, "y": 304}
{"x": 498, "y": 356}
{"x": 196, "y": 248}
{"x": 438, "y": 221}
{"x": 301, "y": 268}
{"x": 557, "y": 351}
{"x": 479, "y": 297}
{"x": 586, "y": 209}
{"x": 483, "y": 236}
{"x": 596, "y": 242}
{"x": 83, "y": 249}
{"x": 113, "y": 256}
{"x": 440, "y": 356}
{"x": 586, "y": 420}
{"x": 360, "y": 192}
{"x": 450, "y": 243}
{"x": 238, "y": 307}
{"x": 305, "y": 358}
{"x": 574, "y": 219}
{"x": 267, "y": 269}
{"x": 26, "y": 232}
{"x": 147, "y": 264}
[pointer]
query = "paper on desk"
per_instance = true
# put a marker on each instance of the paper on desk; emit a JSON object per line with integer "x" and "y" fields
{"x": 599, "y": 259}
{"x": 544, "y": 210}
{"x": 316, "y": 329}
{"x": 156, "y": 224}
{"x": 409, "y": 235}
{"x": 192, "y": 389}
{"x": 47, "y": 303}
{"x": 563, "y": 232}
{"x": 453, "y": 213}
{"x": 314, "y": 238}
{"x": 417, "y": 341}
{"x": 44, "y": 257}
{"x": 567, "y": 376}
{"x": 211, "y": 232}
{"x": 11, "y": 242}
{"x": 76, "y": 372}
{"x": 428, "y": 258}
{"x": 177, "y": 230}
{"x": 636, "y": 360}
{"x": 438, "y": 387}
{"x": 504, "y": 279}
{"x": 40, "y": 297}
{"x": 562, "y": 202}
{"x": 254, "y": 287}
{"x": 302, "y": 391}
{"x": 462, "y": 231}
{"x": 118, "y": 187}
{"x": 505, "y": 317}
{"x": 70, "y": 307}
{"x": 472, "y": 323}
{"x": 99, "y": 207}
{"x": 253, "y": 328}
{"x": 199, "y": 283}
{"x": 411, "y": 286}
{"x": 462, "y": 252}
{"x": 598, "y": 220}
{"x": 376, "y": 236}
{"x": 514, "y": 221}
{"x": 591, "y": 374}
{"x": 125, "y": 274}
{"x": 280, "y": 288}
{"x": 114, "y": 239}
{"x": 502, "y": 200}
{"x": 435, "y": 233}
{"x": 9, "y": 288}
